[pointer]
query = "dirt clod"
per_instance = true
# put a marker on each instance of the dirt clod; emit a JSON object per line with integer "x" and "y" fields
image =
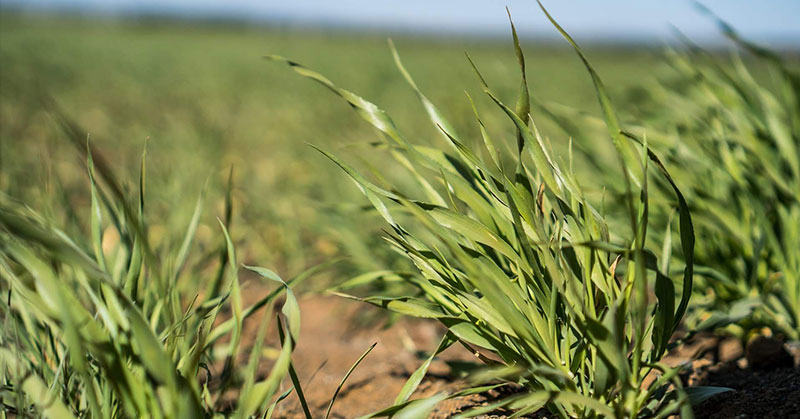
{"x": 730, "y": 350}
{"x": 766, "y": 353}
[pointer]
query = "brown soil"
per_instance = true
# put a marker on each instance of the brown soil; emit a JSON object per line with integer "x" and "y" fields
{"x": 757, "y": 394}
{"x": 335, "y": 332}
{"x": 765, "y": 379}
{"x": 771, "y": 389}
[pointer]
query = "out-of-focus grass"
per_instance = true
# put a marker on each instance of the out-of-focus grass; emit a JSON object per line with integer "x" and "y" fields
{"x": 735, "y": 143}
{"x": 206, "y": 100}
{"x": 107, "y": 325}
{"x": 728, "y": 126}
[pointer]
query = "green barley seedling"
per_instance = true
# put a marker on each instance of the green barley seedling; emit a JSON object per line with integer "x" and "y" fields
{"x": 524, "y": 271}
{"x": 104, "y": 329}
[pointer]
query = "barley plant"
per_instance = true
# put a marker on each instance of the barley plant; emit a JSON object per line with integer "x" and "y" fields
{"x": 107, "y": 325}
{"x": 524, "y": 271}
{"x": 734, "y": 144}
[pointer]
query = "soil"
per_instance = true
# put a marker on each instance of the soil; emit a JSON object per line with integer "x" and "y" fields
{"x": 336, "y": 331}
{"x": 757, "y": 393}
{"x": 765, "y": 379}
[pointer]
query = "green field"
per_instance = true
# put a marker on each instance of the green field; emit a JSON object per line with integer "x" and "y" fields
{"x": 207, "y": 100}
{"x": 638, "y": 198}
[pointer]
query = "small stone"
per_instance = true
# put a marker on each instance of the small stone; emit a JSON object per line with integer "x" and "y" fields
{"x": 767, "y": 353}
{"x": 699, "y": 371}
{"x": 794, "y": 350}
{"x": 730, "y": 350}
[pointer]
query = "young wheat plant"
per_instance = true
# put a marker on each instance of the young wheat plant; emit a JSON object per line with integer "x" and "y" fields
{"x": 104, "y": 329}
{"x": 524, "y": 271}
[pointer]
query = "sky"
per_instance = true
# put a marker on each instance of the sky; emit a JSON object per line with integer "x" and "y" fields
{"x": 773, "y": 21}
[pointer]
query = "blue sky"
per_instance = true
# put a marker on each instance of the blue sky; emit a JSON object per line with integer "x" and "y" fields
{"x": 773, "y": 21}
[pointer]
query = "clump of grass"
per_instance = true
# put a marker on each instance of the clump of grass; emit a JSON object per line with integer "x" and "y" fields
{"x": 524, "y": 271}
{"x": 734, "y": 143}
{"x": 101, "y": 327}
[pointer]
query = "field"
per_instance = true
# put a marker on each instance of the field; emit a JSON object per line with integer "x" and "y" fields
{"x": 222, "y": 124}
{"x": 208, "y": 101}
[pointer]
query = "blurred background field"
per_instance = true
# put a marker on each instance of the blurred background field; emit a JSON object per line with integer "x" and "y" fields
{"x": 207, "y": 101}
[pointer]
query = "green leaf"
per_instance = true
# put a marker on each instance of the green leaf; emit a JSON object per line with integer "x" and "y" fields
{"x": 700, "y": 394}
{"x": 183, "y": 253}
{"x": 346, "y": 376}
{"x": 413, "y": 381}
{"x": 97, "y": 216}
{"x": 291, "y": 308}
{"x": 262, "y": 391}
